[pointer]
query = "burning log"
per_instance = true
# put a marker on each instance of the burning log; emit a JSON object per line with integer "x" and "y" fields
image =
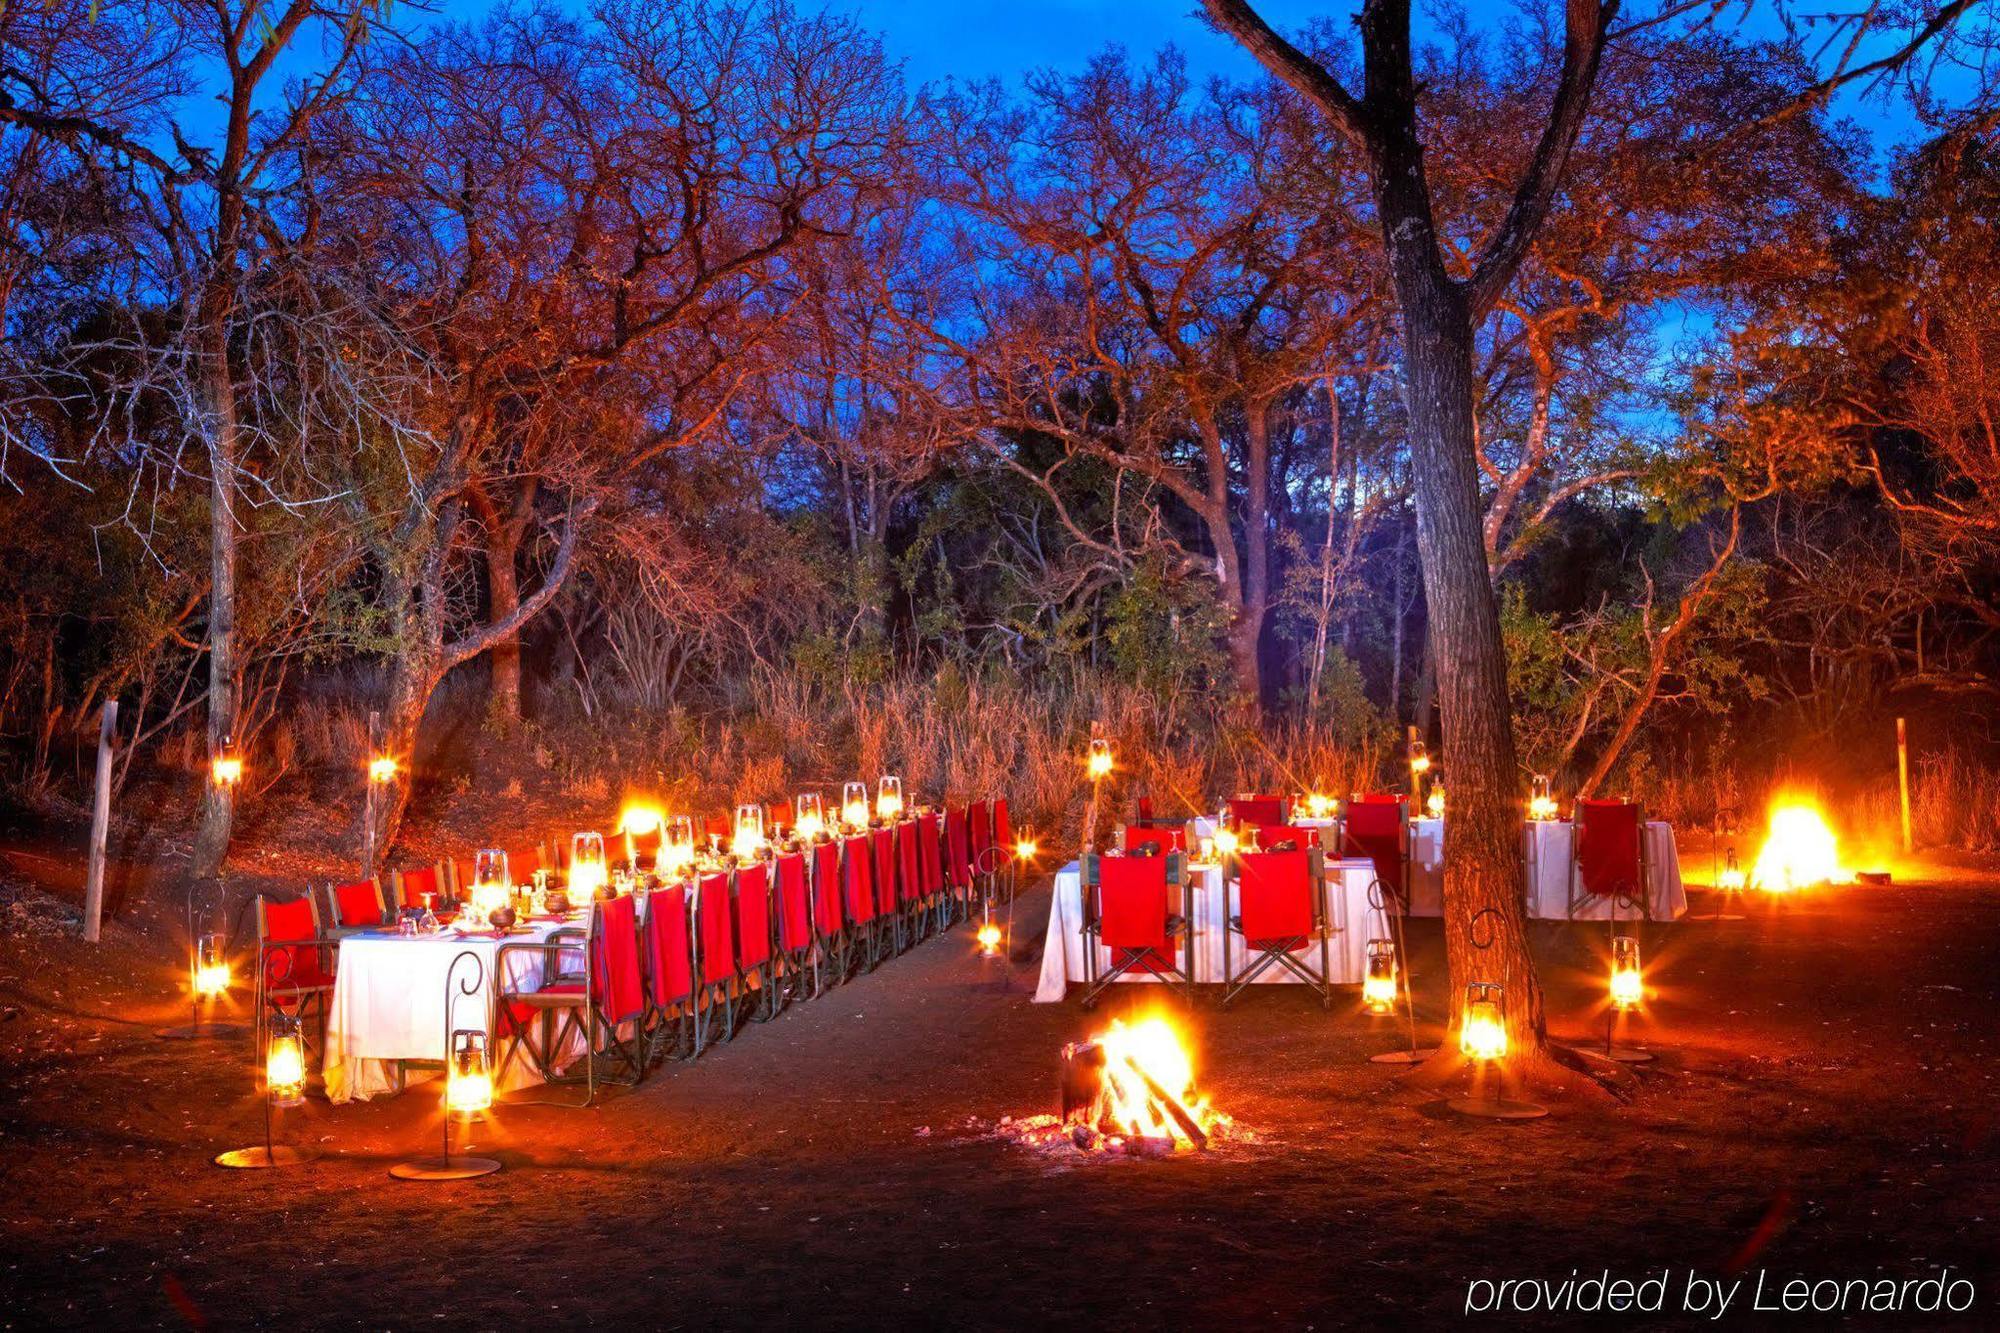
{"x": 1135, "y": 1089}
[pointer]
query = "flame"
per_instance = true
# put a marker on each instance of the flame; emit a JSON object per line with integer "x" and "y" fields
{"x": 989, "y": 938}
{"x": 1799, "y": 851}
{"x": 1541, "y": 807}
{"x": 382, "y": 768}
{"x": 1434, "y": 803}
{"x": 1482, "y": 1034}
{"x": 1628, "y": 987}
{"x": 227, "y": 770}
{"x": 211, "y": 980}
{"x": 1319, "y": 805}
{"x": 468, "y": 1092}
{"x": 1126, "y": 1106}
{"x": 640, "y": 819}
{"x": 1379, "y": 993}
{"x": 285, "y": 1069}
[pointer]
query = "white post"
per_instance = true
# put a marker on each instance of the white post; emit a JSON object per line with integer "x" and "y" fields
{"x": 100, "y": 823}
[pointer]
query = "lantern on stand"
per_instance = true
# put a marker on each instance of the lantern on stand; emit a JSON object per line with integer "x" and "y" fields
{"x": 1420, "y": 764}
{"x": 589, "y": 874}
{"x": 208, "y": 982}
{"x": 889, "y": 798}
{"x": 748, "y": 842}
{"x": 809, "y": 817}
{"x": 1541, "y": 799}
{"x": 1378, "y": 985}
{"x": 468, "y": 1083}
{"x": 284, "y": 1088}
{"x": 854, "y": 806}
{"x": 676, "y": 858}
{"x": 1482, "y": 1038}
{"x": 1627, "y": 993}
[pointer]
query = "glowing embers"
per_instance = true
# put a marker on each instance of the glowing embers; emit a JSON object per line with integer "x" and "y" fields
{"x": 1131, "y": 1089}
{"x": 1541, "y": 799}
{"x": 1799, "y": 852}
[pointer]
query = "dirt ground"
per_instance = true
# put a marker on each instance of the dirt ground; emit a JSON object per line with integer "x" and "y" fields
{"x": 1824, "y": 1107}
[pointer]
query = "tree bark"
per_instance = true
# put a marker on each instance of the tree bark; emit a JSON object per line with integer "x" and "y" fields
{"x": 218, "y": 815}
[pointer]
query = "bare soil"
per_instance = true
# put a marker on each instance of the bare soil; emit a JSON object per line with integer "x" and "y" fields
{"x": 1823, "y": 1106}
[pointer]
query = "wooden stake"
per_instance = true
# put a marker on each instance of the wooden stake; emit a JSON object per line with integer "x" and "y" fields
{"x": 1903, "y": 777}
{"x": 100, "y": 823}
{"x": 368, "y": 785}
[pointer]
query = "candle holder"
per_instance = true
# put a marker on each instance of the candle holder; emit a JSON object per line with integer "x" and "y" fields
{"x": 1627, "y": 988}
{"x": 468, "y": 1084}
{"x": 208, "y": 983}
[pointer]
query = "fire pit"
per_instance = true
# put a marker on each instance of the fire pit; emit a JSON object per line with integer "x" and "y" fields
{"x": 1129, "y": 1090}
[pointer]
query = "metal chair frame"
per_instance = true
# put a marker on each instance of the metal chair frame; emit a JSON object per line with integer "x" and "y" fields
{"x": 1179, "y": 926}
{"x": 1642, "y": 900}
{"x": 1280, "y": 952}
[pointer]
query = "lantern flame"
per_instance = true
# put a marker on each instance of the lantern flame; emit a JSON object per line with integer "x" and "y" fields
{"x": 382, "y": 768}
{"x": 1628, "y": 987}
{"x": 211, "y": 980}
{"x": 1799, "y": 851}
{"x": 1319, "y": 805}
{"x": 989, "y": 939}
{"x": 285, "y": 1069}
{"x": 1482, "y": 1034}
{"x": 227, "y": 770}
{"x": 1434, "y": 803}
{"x": 1541, "y": 807}
{"x": 1378, "y": 993}
{"x": 1026, "y": 849}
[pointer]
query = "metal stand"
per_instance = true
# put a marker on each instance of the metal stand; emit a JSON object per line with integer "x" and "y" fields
{"x": 1493, "y": 1107}
{"x": 194, "y": 1029}
{"x": 449, "y": 1165}
{"x": 1379, "y": 899}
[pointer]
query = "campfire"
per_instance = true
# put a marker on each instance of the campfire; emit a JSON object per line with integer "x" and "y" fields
{"x": 1800, "y": 851}
{"x": 1131, "y": 1089}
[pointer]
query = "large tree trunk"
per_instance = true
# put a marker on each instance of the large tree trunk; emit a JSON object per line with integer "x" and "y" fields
{"x": 1482, "y": 863}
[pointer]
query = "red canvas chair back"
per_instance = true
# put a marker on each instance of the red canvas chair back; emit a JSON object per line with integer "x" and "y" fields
{"x": 1275, "y": 897}
{"x": 358, "y": 903}
{"x": 1003, "y": 826}
{"x": 957, "y": 848}
{"x": 859, "y": 880}
{"x": 462, "y": 876}
{"x": 907, "y": 882}
{"x": 1166, "y": 839}
{"x": 617, "y": 984}
{"x": 291, "y": 969}
{"x": 645, "y": 846}
{"x": 412, "y": 885}
{"x": 979, "y": 827}
{"x": 1607, "y": 847}
{"x": 826, "y": 897}
{"x": 753, "y": 917}
{"x": 930, "y": 855}
{"x": 1145, "y": 809}
{"x": 794, "y": 910}
{"x": 1257, "y": 810}
{"x": 522, "y": 865}
{"x": 1378, "y": 798}
{"x": 717, "y": 826}
{"x": 1374, "y": 829}
{"x": 778, "y": 814}
{"x": 1132, "y": 905}
{"x": 669, "y": 963}
{"x": 882, "y": 869}
{"x": 713, "y": 921}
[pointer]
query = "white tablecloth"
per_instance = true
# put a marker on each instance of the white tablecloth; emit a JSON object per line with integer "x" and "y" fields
{"x": 389, "y": 1003}
{"x": 1346, "y": 887}
{"x": 1545, "y": 852}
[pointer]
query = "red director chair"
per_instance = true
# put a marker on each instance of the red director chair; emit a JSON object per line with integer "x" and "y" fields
{"x": 358, "y": 905}
{"x": 860, "y": 949}
{"x": 1378, "y": 827}
{"x": 295, "y": 965}
{"x": 1172, "y": 839}
{"x": 1128, "y": 910}
{"x": 756, "y": 964}
{"x": 669, "y": 1021}
{"x": 934, "y": 902}
{"x": 1279, "y": 909}
{"x": 607, "y": 994}
{"x": 884, "y": 855}
{"x": 832, "y": 939}
{"x": 958, "y": 864}
{"x": 715, "y": 962}
{"x": 792, "y": 898}
{"x": 1258, "y": 810}
{"x": 1607, "y": 857}
{"x": 412, "y": 885}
